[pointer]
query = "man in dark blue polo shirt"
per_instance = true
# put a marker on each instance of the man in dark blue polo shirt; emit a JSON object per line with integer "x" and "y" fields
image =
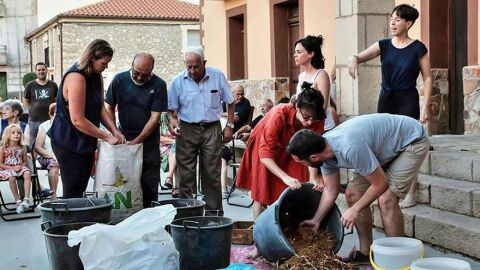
{"x": 141, "y": 97}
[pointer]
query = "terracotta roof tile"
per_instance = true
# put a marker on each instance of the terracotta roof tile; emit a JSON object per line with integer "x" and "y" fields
{"x": 139, "y": 9}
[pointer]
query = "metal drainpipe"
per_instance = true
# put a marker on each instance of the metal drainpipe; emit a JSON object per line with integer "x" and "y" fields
{"x": 60, "y": 27}
{"x": 18, "y": 55}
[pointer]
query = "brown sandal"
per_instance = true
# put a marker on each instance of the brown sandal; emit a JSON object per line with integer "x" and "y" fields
{"x": 168, "y": 183}
{"x": 175, "y": 193}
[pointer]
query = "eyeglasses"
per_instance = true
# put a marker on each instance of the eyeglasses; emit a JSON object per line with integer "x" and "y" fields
{"x": 137, "y": 74}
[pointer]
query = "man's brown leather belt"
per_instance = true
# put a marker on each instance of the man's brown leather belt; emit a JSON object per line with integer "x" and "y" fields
{"x": 202, "y": 124}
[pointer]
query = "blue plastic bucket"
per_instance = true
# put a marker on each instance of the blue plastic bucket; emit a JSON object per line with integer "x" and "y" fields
{"x": 291, "y": 208}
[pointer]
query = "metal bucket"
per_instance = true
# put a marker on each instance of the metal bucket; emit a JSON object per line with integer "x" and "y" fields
{"x": 76, "y": 210}
{"x": 60, "y": 255}
{"x": 204, "y": 243}
{"x": 185, "y": 207}
{"x": 291, "y": 208}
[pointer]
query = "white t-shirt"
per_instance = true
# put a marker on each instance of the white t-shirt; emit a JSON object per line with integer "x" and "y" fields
{"x": 46, "y": 126}
{"x": 329, "y": 123}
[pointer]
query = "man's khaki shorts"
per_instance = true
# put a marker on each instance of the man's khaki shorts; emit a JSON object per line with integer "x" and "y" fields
{"x": 400, "y": 172}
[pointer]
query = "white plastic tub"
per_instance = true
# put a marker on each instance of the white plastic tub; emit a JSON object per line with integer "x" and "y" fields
{"x": 394, "y": 253}
{"x": 439, "y": 263}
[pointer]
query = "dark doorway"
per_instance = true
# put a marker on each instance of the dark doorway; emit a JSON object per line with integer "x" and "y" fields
{"x": 237, "y": 58}
{"x": 458, "y": 58}
{"x": 286, "y": 23}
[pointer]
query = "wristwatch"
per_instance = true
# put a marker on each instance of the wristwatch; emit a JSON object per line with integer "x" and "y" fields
{"x": 230, "y": 125}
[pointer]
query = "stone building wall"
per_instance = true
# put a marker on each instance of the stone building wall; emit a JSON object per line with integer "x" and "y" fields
{"x": 163, "y": 41}
{"x": 256, "y": 90}
{"x": 439, "y": 118}
{"x": 471, "y": 93}
{"x": 17, "y": 18}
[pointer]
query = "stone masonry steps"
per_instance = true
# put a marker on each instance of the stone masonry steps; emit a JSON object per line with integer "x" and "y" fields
{"x": 461, "y": 197}
{"x": 460, "y": 164}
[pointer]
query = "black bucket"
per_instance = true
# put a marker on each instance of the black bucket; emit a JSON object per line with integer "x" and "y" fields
{"x": 76, "y": 210}
{"x": 185, "y": 207}
{"x": 291, "y": 208}
{"x": 204, "y": 243}
{"x": 60, "y": 255}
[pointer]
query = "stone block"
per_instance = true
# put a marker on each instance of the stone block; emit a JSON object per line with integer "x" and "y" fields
{"x": 452, "y": 195}
{"x": 344, "y": 176}
{"x": 346, "y": 39}
{"x": 423, "y": 190}
{"x": 469, "y": 86}
{"x": 345, "y": 93}
{"x": 476, "y": 203}
{"x": 376, "y": 28}
{"x": 453, "y": 165}
{"x": 368, "y": 87}
{"x": 342, "y": 203}
{"x": 476, "y": 170}
{"x": 373, "y": 6}
{"x": 425, "y": 167}
{"x": 346, "y": 7}
{"x": 449, "y": 230}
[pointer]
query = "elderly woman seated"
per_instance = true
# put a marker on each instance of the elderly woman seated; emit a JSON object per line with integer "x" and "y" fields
{"x": 43, "y": 147}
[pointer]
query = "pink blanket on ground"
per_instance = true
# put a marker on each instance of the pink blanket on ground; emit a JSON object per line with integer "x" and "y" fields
{"x": 239, "y": 254}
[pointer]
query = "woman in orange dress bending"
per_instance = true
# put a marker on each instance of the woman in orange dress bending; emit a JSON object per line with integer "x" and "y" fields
{"x": 266, "y": 169}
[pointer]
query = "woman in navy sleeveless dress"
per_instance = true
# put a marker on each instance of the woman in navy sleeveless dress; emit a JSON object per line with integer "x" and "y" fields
{"x": 402, "y": 59}
{"x": 74, "y": 132}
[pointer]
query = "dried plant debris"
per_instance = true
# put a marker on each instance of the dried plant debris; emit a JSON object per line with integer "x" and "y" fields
{"x": 314, "y": 250}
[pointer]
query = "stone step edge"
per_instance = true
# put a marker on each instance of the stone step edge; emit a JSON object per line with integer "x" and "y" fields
{"x": 461, "y": 197}
{"x": 448, "y": 230}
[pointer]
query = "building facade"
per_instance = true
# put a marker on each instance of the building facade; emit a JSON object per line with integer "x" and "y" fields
{"x": 17, "y": 18}
{"x": 253, "y": 42}
{"x": 161, "y": 27}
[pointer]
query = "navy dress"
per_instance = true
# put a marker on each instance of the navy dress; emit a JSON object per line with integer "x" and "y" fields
{"x": 400, "y": 69}
{"x": 74, "y": 149}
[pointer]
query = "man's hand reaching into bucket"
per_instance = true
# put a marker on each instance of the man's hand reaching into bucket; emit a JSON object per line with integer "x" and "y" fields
{"x": 310, "y": 224}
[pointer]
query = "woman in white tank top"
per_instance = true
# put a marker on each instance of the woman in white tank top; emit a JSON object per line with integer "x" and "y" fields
{"x": 308, "y": 54}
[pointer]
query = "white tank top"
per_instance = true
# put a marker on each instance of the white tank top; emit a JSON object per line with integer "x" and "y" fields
{"x": 329, "y": 123}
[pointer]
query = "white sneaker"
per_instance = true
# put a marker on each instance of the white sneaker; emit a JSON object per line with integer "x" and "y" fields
{"x": 25, "y": 205}
{"x": 20, "y": 209}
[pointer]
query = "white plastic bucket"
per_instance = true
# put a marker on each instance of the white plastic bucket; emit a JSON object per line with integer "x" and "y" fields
{"x": 439, "y": 263}
{"x": 394, "y": 253}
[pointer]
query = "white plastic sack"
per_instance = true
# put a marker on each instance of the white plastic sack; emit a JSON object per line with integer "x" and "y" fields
{"x": 138, "y": 242}
{"x": 117, "y": 177}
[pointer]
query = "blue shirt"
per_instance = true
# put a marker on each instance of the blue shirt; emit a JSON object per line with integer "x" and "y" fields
{"x": 367, "y": 141}
{"x": 400, "y": 67}
{"x": 200, "y": 102}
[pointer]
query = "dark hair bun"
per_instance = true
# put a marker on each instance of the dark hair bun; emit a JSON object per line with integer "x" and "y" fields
{"x": 306, "y": 85}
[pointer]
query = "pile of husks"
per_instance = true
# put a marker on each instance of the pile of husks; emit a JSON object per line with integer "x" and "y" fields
{"x": 313, "y": 250}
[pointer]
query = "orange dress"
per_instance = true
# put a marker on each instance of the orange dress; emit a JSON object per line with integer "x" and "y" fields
{"x": 269, "y": 139}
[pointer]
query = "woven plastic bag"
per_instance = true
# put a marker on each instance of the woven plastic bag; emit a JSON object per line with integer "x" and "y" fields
{"x": 117, "y": 178}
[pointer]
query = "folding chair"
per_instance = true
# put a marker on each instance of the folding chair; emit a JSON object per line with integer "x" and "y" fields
{"x": 36, "y": 194}
{"x": 234, "y": 165}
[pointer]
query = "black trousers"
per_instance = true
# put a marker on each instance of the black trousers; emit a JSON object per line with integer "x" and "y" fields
{"x": 75, "y": 169}
{"x": 150, "y": 171}
{"x": 402, "y": 102}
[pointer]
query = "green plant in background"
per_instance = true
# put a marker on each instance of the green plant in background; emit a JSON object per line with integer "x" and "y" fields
{"x": 28, "y": 78}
